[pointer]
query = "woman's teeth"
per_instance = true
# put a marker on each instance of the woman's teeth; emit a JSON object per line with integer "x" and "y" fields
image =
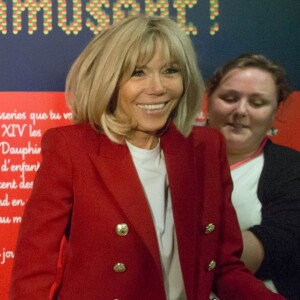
{"x": 152, "y": 106}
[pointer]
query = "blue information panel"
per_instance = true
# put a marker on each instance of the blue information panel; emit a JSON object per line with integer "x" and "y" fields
{"x": 40, "y": 39}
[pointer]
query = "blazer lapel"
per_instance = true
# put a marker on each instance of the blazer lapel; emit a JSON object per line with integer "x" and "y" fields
{"x": 116, "y": 169}
{"x": 179, "y": 157}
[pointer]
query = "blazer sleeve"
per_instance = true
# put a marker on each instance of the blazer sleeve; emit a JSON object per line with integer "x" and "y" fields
{"x": 233, "y": 280}
{"x": 279, "y": 231}
{"x": 44, "y": 222}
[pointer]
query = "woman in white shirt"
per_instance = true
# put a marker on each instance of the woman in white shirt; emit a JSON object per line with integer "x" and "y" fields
{"x": 243, "y": 97}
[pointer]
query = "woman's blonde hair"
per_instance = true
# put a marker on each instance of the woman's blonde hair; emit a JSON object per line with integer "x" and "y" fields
{"x": 110, "y": 59}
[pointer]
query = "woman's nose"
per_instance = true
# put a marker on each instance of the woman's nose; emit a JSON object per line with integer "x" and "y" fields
{"x": 241, "y": 107}
{"x": 156, "y": 84}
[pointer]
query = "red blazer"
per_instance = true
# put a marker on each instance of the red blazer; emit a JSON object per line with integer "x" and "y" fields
{"x": 87, "y": 185}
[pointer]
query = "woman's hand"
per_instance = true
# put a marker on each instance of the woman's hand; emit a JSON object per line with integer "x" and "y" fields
{"x": 253, "y": 251}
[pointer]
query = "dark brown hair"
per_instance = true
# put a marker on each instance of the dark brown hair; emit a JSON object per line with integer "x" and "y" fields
{"x": 253, "y": 61}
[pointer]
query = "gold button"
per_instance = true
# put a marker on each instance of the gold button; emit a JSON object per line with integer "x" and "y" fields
{"x": 211, "y": 265}
{"x": 122, "y": 229}
{"x": 209, "y": 228}
{"x": 119, "y": 268}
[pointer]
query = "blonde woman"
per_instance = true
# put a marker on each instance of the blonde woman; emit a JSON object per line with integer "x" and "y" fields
{"x": 141, "y": 197}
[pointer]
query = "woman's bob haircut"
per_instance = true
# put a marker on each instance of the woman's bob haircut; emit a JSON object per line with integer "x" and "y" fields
{"x": 110, "y": 59}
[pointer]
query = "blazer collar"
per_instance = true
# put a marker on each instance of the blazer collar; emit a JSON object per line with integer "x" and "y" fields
{"x": 179, "y": 155}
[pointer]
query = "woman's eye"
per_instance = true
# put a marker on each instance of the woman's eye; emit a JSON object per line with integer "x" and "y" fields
{"x": 229, "y": 99}
{"x": 257, "y": 103}
{"x": 138, "y": 73}
{"x": 171, "y": 70}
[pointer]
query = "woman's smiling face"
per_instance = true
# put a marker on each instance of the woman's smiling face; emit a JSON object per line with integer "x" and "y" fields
{"x": 150, "y": 95}
{"x": 243, "y": 108}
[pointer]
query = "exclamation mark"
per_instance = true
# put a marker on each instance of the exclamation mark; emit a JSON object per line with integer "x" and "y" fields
{"x": 214, "y": 12}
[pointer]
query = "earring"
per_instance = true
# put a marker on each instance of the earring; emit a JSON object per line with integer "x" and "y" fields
{"x": 272, "y": 131}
